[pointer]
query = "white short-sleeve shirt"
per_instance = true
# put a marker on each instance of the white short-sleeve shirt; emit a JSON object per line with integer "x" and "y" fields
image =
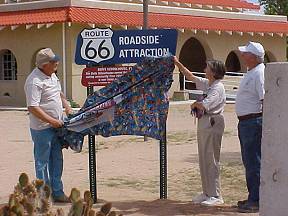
{"x": 43, "y": 91}
{"x": 215, "y": 100}
{"x": 251, "y": 92}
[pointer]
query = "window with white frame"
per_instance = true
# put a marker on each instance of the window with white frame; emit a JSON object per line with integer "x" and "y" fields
{"x": 8, "y": 63}
{"x": 11, "y": 1}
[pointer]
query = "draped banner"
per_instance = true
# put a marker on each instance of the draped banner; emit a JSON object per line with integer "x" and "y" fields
{"x": 134, "y": 104}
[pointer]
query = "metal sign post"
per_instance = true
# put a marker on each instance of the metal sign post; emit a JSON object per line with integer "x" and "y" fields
{"x": 163, "y": 166}
{"x": 145, "y": 14}
{"x": 145, "y": 26}
{"x": 92, "y": 158}
{"x": 163, "y": 142}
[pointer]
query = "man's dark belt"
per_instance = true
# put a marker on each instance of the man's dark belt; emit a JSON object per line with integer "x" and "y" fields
{"x": 249, "y": 116}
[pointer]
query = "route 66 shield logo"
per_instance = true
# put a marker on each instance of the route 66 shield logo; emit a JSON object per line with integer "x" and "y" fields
{"x": 97, "y": 44}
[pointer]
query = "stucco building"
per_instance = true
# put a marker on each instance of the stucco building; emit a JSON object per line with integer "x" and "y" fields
{"x": 207, "y": 29}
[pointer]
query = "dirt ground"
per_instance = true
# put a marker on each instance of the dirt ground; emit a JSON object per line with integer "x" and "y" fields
{"x": 128, "y": 168}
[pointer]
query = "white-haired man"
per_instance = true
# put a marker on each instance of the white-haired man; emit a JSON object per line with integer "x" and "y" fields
{"x": 248, "y": 105}
{"x": 45, "y": 102}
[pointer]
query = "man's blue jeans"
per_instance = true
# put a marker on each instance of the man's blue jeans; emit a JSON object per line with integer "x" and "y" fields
{"x": 48, "y": 159}
{"x": 250, "y": 135}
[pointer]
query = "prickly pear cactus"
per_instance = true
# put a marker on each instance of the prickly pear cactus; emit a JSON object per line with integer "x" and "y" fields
{"x": 28, "y": 198}
{"x": 74, "y": 195}
{"x": 60, "y": 212}
{"x": 100, "y": 213}
{"x": 23, "y": 180}
{"x": 33, "y": 198}
{"x": 77, "y": 208}
{"x": 88, "y": 203}
{"x": 105, "y": 209}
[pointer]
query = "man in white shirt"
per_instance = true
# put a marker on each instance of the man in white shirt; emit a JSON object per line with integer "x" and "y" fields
{"x": 248, "y": 106}
{"x": 45, "y": 104}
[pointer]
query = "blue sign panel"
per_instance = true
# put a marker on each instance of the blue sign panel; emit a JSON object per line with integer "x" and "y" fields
{"x": 104, "y": 46}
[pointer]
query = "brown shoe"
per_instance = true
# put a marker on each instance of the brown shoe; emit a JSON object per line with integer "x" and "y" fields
{"x": 249, "y": 208}
{"x": 241, "y": 203}
{"x": 61, "y": 199}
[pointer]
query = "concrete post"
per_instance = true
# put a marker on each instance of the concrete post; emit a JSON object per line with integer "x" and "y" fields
{"x": 274, "y": 164}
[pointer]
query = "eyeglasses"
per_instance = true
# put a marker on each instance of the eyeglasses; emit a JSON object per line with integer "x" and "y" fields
{"x": 53, "y": 62}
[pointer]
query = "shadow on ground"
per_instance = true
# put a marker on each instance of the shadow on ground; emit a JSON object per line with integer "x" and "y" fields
{"x": 170, "y": 208}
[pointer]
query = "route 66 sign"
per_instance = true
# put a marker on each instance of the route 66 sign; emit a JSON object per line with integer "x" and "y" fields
{"x": 97, "y": 45}
{"x": 107, "y": 47}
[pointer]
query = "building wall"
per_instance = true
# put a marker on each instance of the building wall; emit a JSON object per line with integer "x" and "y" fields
{"x": 219, "y": 46}
{"x": 216, "y": 46}
{"x": 79, "y": 92}
{"x": 25, "y": 43}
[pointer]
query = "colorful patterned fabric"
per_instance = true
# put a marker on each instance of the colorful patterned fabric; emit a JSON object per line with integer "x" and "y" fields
{"x": 134, "y": 104}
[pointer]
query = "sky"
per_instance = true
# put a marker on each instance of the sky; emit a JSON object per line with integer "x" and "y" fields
{"x": 254, "y": 1}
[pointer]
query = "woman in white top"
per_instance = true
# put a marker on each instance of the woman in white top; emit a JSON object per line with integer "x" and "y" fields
{"x": 210, "y": 128}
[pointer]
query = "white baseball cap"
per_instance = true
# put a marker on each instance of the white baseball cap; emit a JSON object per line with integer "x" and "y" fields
{"x": 45, "y": 56}
{"x": 254, "y": 48}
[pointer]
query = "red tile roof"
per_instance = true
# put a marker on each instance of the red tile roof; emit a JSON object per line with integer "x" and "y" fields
{"x": 224, "y": 3}
{"x": 34, "y": 16}
{"x": 115, "y": 17}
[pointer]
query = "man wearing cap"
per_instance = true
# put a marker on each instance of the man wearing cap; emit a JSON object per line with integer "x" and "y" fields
{"x": 248, "y": 105}
{"x": 45, "y": 103}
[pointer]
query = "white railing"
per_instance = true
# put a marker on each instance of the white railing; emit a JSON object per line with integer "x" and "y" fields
{"x": 231, "y": 82}
{"x": 18, "y": 1}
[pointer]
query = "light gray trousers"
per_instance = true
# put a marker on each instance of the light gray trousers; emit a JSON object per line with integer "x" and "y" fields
{"x": 210, "y": 130}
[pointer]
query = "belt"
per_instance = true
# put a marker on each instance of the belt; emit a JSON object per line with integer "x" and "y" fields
{"x": 249, "y": 116}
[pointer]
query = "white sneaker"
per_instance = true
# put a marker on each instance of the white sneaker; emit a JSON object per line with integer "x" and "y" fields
{"x": 212, "y": 201}
{"x": 200, "y": 198}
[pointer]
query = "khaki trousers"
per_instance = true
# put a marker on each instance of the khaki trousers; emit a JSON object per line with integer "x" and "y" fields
{"x": 210, "y": 130}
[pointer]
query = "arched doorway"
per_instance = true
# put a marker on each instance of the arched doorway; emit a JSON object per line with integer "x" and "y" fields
{"x": 232, "y": 62}
{"x": 235, "y": 68}
{"x": 269, "y": 57}
{"x": 8, "y": 65}
{"x": 193, "y": 56}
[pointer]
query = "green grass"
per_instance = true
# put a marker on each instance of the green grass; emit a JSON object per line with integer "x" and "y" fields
{"x": 229, "y": 133}
{"x": 181, "y": 137}
{"x": 233, "y": 182}
{"x": 173, "y": 138}
{"x": 148, "y": 185}
{"x": 186, "y": 183}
